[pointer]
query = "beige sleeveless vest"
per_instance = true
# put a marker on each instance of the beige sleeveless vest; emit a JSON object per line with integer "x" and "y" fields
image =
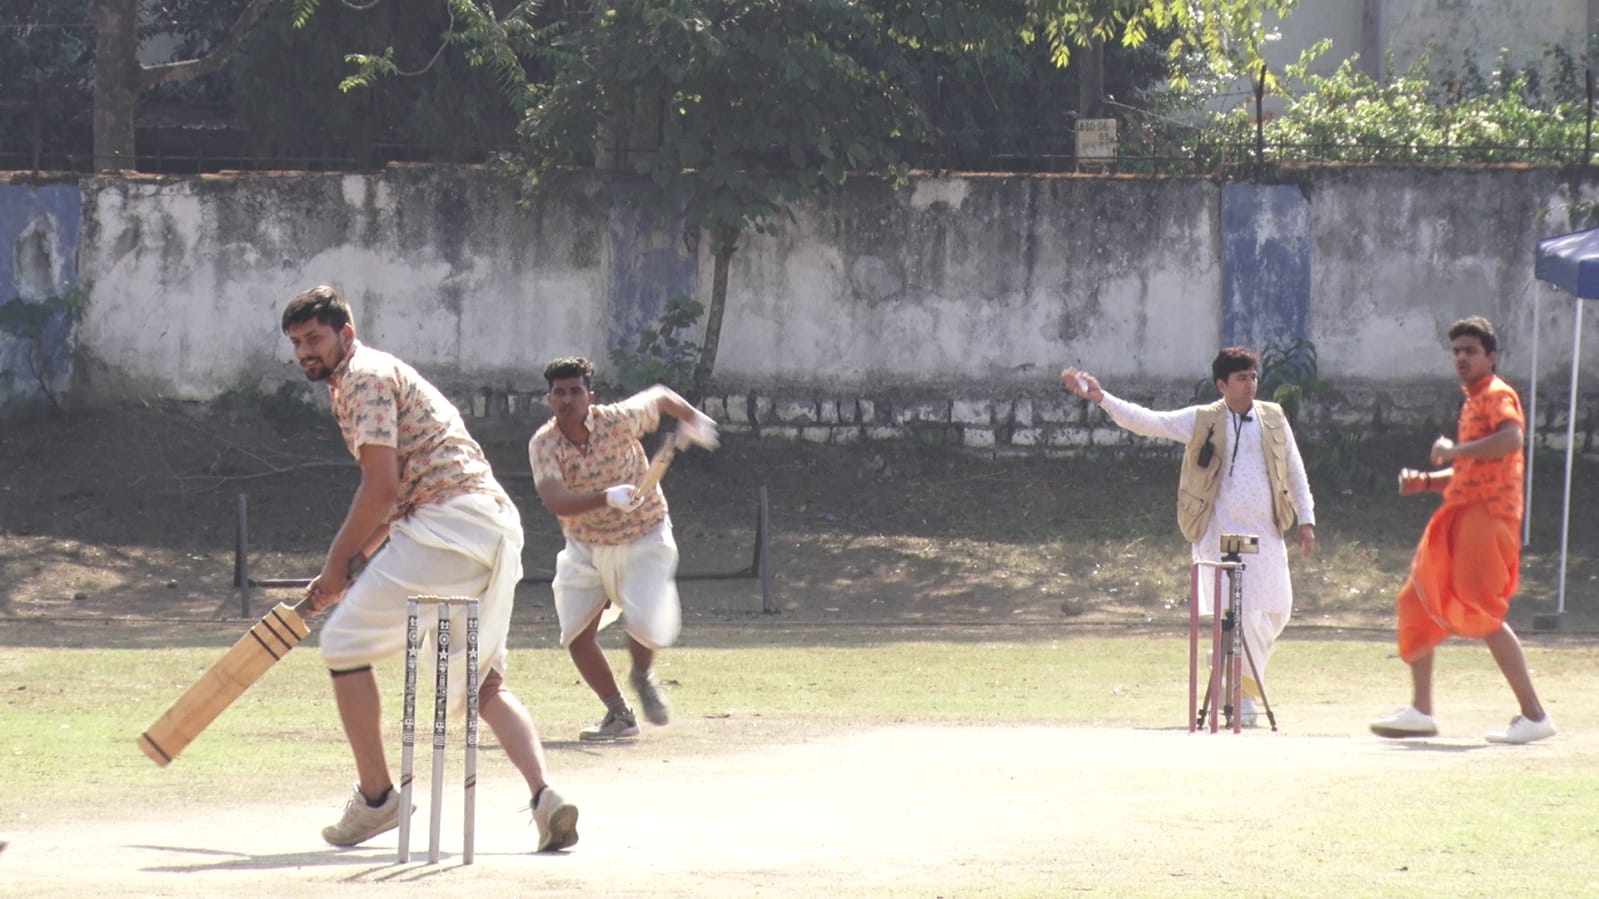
{"x": 1198, "y": 485}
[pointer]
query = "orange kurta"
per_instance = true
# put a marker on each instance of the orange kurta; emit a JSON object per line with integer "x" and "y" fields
{"x": 1468, "y": 562}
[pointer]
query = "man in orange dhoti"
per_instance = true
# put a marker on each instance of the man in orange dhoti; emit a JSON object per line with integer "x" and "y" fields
{"x": 1466, "y": 565}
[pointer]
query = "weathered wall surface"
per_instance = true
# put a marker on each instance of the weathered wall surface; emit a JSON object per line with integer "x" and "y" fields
{"x": 942, "y": 312}
{"x": 1451, "y": 29}
{"x": 187, "y": 278}
{"x": 1392, "y": 35}
{"x": 980, "y": 280}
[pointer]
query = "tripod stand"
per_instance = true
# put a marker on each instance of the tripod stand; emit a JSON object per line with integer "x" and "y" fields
{"x": 1226, "y": 665}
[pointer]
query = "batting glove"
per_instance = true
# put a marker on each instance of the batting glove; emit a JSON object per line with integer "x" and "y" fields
{"x": 620, "y": 496}
{"x": 701, "y": 430}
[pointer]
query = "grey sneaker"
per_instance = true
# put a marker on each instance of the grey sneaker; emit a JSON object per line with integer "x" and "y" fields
{"x": 656, "y": 711}
{"x": 362, "y": 822}
{"x": 557, "y": 821}
{"x": 614, "y": 726}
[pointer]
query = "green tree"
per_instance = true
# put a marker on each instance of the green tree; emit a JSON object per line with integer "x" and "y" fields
{"x": 1513, "y": 114}
{"x": 1214, "y": 33}
{"x": 728, "y": 110}
{"x": 1213, "y": 40}
{"x": 44, "y": 88}
{"x": 119, "y": 77}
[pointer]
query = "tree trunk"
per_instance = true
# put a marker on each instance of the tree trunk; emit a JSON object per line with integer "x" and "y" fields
{"x": 722, "y": 252}
{"x": 1091, "y": 81}
{"x": 119, "y": 78}
{"x": 116, "y": 83}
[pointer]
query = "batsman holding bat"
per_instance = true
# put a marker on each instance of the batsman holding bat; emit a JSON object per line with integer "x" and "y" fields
{"x": 620, "y": 559}
{"x": 428, "y": 498}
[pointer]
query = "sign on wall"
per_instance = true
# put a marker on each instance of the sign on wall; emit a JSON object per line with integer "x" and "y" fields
{"x": 1096, "y": 141}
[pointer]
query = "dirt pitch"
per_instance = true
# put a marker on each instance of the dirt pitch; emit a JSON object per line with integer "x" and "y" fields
{"x": 903, "y": 811}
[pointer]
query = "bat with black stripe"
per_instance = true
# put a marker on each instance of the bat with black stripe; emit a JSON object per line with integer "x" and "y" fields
{"x": 267, "y": 642}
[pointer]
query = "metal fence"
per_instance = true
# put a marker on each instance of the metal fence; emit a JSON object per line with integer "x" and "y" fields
{"x": 1043, "y": 143}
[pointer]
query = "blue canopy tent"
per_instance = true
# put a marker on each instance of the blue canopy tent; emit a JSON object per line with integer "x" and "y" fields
{"x": 1571, "y": 263}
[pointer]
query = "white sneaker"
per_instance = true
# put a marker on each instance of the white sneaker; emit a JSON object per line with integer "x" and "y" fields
{"x": 1525, "y": 730}
{"x": 1407, "y": 722}
{"x": 362, "y": 822}
{"x": 557, "y": 821}
{"x": 1247, "y": 715}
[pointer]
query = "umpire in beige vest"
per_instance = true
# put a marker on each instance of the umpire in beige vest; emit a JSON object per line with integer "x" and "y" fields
{"x": 1241, "y": 474}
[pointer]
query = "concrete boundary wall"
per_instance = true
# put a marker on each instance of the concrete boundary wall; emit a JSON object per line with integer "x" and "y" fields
{"x": 940, "y": 313}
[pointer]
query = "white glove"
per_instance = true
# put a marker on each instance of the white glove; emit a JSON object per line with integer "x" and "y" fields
{"x": 619, "y": 497}
{"x": 700, "y": 430}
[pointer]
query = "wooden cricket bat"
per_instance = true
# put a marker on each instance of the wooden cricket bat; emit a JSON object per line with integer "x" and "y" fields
{"x": 660, "y": 462}
{"x": 279, "y": 631}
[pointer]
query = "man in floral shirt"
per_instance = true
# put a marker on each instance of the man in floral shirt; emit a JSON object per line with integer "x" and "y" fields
{"x": 432, "y": 520}
{"x": 1466, "y": 567}
{"x": 620, "y": 558}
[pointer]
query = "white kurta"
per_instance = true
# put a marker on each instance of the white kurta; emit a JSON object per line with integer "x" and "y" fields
{"x": 1243, "y": 506}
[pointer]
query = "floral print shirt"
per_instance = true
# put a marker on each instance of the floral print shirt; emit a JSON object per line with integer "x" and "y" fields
{"x": 380, "y": 401}
{"x": 612, "y": 456}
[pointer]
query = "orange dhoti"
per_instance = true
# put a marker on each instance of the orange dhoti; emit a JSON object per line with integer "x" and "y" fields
{"x": 1461, "y": 580}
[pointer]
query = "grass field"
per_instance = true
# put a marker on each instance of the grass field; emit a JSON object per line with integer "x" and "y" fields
{"x": 1114, "y": 798}
{"x": 976, "y": 687}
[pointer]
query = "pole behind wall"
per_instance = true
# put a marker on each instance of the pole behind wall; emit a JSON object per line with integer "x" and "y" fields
{"x": 241, "y": 555}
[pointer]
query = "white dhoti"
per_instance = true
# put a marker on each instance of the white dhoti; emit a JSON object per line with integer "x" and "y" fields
{"x": 634, "y": 581}
{"x": 1243, "y": 506}
{"x": 466, "y": 546}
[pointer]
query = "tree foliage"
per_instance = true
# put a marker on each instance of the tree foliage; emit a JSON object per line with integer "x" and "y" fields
{"x": 761, "y": 103}
{"x": 45, "y": 79}
{"x": 1509, "y": 114}
{"x": 729, "y": 111}
{"x": 1228, "y": 33}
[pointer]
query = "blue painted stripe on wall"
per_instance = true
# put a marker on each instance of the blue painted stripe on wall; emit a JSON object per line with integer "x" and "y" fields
{"x": 648, "y": 266}
{"x": 54, "y": 211}
{"x": 1265, "y": 264}
{"x": 40, "y": 230}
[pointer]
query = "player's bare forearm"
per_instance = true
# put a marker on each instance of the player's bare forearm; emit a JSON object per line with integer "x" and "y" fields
{"x": 1506, "y": 441}
{"x": 670, "y": 402}
{"x": 561, "y": 501}
{"x": 368, "y": 516}
{"x": 1412, "y": 481}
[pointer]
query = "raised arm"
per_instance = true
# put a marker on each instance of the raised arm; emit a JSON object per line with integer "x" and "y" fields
{"x": 700, "y": 428}
{"x": 1177, "y": 424}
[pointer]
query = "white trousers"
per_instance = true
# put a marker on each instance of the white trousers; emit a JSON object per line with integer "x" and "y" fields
{"x": 635, "y": 581}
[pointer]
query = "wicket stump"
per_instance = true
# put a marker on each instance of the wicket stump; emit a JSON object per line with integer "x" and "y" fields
{"x": 441, "y": 695}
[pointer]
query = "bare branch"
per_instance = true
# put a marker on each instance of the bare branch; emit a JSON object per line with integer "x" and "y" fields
{"x": 190, "y": 69}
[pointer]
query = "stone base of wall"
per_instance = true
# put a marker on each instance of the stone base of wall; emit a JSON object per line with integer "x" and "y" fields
{"x": 1036, "y": 423}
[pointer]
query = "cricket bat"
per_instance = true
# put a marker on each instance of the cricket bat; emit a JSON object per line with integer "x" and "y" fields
{"x": 279, "y": 631}
{"x": 660, "y": 462}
